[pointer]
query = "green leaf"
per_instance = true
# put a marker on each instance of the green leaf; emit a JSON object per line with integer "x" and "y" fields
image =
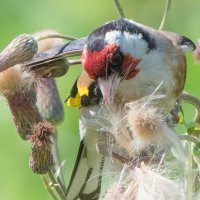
{"x": 196, "y": 150}
{"x": 191, "y": 127}
{"x": 197, "y": 129}
{"x": 181, "y": 116}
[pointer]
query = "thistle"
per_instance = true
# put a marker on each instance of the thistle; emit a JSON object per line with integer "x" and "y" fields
{"x": 20, "y": 50}
{"x": 48, "y": 101}
{"x": 41, "y": 159}
{"x": 20, "y": 96}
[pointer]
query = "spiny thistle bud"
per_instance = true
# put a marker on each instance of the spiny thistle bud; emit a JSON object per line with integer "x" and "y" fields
{"x": 21, "y": 99}
{"x": 11, "y": 81}
{"x": 25, "y": 113}
{"x": 48, "y": 101}
{"x": 41, "y": 159}
{"x": 20, "y": 50}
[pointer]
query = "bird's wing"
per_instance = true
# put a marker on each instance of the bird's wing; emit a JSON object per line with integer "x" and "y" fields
{"x": 85, "y": 182}
{"x": 72, "y": 48}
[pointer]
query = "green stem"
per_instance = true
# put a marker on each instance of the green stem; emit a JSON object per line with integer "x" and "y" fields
{"x": 167, "y": 8}
{"x": 57, "y": 186}
{"x": 190, "y": 173}
{"x": 49, "y": 189}
{"x": 50, "y": 35}
{"x": 189, "y": 138}
{"x": 119, "y": 8}
{"x": 57, "y": 162}
{"x": 188, "y": 98}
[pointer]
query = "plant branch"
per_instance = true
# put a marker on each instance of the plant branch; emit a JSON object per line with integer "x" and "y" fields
{"x": 50, "y": 35}
{"x": 119, "y": 8}
{"x": 74, "y": 62}
{"x": 57, "y": 163}
{"x": 49, "y": 189}
{"x": 188, "y": 98}
{"x": 189, "y": 138}
{"x": 190, "y": 184}
{"x": 57, "y": 186}
{"x": 167, "y": 9}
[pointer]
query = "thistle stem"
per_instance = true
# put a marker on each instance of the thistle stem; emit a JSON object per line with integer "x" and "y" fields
{"x": 188, "y": 98}
{"x": 57, "y": 162}
{"x": 189, "y": 138}
{"x": 167, "y": 8}
{"x": 74, "y": 62}
{"x": 190, "y": 177}
{"x": 119, "y": 8}
{"x": 58, "y": 168}
{"x": 49, "y": 189}
{"x": 50, "y": 35}
{"x": 57, "y": 186}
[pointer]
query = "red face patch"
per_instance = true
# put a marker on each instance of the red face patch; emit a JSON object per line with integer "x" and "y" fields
{"x": 129, "y": 66}
{"x": 95, "y": 63}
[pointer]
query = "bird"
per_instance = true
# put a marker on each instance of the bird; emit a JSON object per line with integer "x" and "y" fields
{"x": 123, "y": 61}
{"x": 128, "y": 61}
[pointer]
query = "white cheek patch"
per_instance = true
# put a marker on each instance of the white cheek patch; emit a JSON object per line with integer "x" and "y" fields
{"x": 131, "y": 43}
{"x": 113, "y": 37}
{"x": 134, "y": 44}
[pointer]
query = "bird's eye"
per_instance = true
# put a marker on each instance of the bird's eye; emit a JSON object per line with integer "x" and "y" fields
{"x": 116, "y": 59}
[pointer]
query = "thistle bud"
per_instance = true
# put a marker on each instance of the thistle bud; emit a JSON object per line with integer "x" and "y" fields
{"x": 25, "y": 113}
{"x": 48, "y": 101}
{"x": 41, "y": 159}
{"x": 20, "y": 50}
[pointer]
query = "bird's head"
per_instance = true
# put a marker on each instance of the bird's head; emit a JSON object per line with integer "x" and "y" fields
{"x": 113, "y": 53}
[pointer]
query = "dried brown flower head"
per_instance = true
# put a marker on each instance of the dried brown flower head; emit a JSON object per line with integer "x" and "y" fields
{"x": 41, "y": 159}
{"x": 41, "y": 133}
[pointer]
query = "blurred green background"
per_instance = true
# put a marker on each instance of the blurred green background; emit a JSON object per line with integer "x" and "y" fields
{"x": 77, "y": 18}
